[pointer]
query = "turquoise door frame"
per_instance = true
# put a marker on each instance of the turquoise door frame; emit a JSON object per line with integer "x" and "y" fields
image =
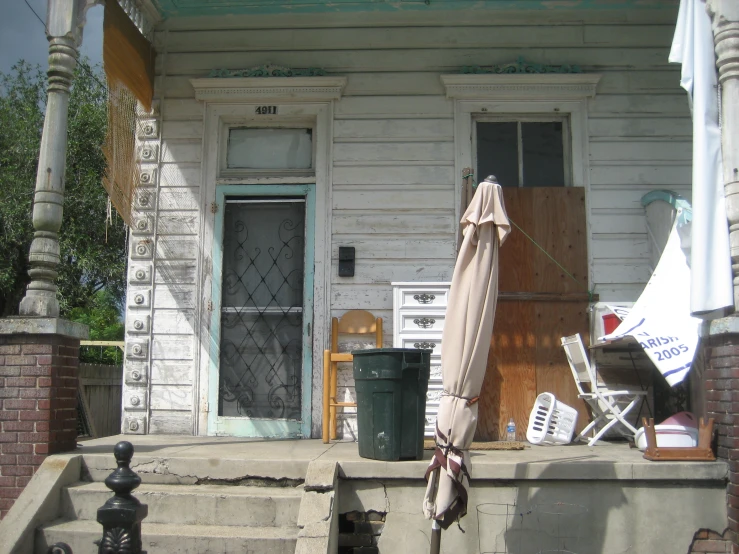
{"x": 255, "y": 427}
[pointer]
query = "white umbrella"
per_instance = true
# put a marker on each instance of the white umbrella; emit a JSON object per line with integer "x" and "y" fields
{"x": 468, "y": 328}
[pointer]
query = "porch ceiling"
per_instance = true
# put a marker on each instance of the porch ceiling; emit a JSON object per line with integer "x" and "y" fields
{"x": 194, "y": 8}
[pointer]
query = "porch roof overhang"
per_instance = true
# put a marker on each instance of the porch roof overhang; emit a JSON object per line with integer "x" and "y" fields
{"x": 165, "y": 9}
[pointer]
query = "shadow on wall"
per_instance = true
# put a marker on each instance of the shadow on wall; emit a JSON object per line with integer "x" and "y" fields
{"x": 554, "y": 515}
{"x": 578, "y": 505}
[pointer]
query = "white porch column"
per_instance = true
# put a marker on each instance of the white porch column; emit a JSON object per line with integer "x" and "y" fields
{"x": 725, "y": 17}
{"x": 65, "y": 19}
{"x": 722, "y": 352}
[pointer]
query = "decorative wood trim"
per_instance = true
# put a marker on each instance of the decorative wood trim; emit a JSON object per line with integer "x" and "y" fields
{"x": 142, "y": 13}
{"x": 217, "y": 117}
{"x": 546, "y": 86}
{"x": 268, "y": 70}
{"x": 295, "y": 89}
{"x": 521, "y": 66}
{"x": 521, "y": 94}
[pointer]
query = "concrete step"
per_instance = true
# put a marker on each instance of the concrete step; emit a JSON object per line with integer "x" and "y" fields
{"x": 226, "y": 463}
{"x": 222, "y": 505}
{"x": 160, "y": 538}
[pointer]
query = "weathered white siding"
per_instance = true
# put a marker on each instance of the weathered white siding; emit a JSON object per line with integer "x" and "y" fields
{"x": 393, "y": 191}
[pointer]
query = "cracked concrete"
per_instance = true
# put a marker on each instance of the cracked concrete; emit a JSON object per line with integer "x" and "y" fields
{"x": 315, "y": 507}
{"x": 252, "y": 481}
{"x": 387, "y": 498}
{"x": 606, "y": 522}
{"x": 610, "y": 480}
{"x": 318, "y": 516}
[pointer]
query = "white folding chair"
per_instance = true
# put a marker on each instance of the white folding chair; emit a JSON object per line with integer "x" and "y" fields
{"x": 609, "y": 407}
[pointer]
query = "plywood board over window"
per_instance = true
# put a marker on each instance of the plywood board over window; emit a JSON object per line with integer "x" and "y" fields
{"x": 530, "y": 132}
{"x": 539, "y": 303}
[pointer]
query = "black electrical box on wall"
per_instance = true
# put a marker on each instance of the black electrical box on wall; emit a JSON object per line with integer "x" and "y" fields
{"x": 346, "y": 261}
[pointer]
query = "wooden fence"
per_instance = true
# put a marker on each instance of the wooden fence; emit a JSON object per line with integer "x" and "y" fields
{"x": 101, "y": 387}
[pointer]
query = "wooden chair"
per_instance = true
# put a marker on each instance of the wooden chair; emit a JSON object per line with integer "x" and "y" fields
{"x": 352, "y": 322}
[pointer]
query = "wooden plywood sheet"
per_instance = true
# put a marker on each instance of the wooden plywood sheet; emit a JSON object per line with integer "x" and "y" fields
{"x": 526, "y": 357}
{"x": 554, "y": 320}
{"x": 517, "y": 253}
{"x": 509, "y": 388}
{"x": 559, "y": 227}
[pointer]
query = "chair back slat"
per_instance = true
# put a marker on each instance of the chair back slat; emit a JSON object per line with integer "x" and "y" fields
{"x": 357, "y": 322}
{"x": 579, "y": 365}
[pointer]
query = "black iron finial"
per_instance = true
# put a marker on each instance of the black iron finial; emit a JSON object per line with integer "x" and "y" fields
{"x": 122, "y": 514}
{"x": 123, "y": 479}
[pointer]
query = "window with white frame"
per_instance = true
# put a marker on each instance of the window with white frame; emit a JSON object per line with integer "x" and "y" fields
{"x": 523, "y": 150}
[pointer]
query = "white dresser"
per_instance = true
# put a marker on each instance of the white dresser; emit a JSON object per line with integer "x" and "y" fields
{"x": 418, "y": 320}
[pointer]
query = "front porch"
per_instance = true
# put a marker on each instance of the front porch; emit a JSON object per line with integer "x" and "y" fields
{"x": 630, "y": 504}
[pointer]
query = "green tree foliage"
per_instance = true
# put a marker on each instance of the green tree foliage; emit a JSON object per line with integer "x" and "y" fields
{"x": 21, "y": 119}
{"x": 103, "y": 319}
{"x": 92, "y": 253}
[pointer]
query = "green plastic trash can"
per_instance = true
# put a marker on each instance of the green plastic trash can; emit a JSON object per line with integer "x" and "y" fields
{"x": 391, "y": 385}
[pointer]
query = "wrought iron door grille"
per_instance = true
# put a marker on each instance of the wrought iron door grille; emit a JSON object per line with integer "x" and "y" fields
{"x": 262, "y": 309}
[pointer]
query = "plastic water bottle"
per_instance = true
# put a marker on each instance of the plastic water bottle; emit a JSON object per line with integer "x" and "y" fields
{"x": 511, "y": 430}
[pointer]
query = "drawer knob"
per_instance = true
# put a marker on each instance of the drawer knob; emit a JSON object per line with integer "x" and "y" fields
{"x": 424, "y": 345}
{"x": 424, "y": 322}
{"x": 424, "y": 298}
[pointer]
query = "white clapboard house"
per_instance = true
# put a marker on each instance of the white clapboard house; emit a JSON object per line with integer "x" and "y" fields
{"x": 282, "y": 131}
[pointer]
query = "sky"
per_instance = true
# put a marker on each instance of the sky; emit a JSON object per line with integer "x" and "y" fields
{"x": 22, "y": 36}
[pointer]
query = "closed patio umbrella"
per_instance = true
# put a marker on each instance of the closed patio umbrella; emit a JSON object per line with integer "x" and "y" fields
{"x": 468, "y": 328}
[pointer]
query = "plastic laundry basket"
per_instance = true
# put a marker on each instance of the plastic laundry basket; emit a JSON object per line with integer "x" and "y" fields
{"x": 551, "y": 421}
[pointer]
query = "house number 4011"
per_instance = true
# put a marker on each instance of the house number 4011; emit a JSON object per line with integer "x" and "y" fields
{"x": 266, "y": 110}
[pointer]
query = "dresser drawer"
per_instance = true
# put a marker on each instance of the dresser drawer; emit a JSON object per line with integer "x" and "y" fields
{"x": 435, "y": 390}
{"x": 413, "y": 322}
{"x": 423, "y": 344}
{"x": 435, "y": 369}
{"x": 423, "y": 297}
{"x": 432, "y": 408}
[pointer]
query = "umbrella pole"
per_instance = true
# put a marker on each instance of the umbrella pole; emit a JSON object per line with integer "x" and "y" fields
{"x": 435, "y": 537}
{"x": 435, "y": 527}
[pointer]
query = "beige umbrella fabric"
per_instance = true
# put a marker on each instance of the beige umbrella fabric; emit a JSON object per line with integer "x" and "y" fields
{"x": 468, "y": 328}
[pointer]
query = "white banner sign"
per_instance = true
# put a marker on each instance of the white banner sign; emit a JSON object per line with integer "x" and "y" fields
{"x": 660, "y": 320}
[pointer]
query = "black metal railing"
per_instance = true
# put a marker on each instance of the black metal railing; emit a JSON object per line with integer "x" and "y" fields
{"x": 122, "y": 514}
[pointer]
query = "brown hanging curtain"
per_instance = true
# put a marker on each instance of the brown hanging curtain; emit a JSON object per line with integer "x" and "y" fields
{"x": 127, "y": 56}
{"x": 128, "y": 59}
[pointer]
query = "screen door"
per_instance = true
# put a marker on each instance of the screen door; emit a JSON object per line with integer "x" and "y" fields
{"x": 262, "y": 308}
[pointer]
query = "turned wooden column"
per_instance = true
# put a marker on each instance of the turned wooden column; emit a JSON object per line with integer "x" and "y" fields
{"x": 722, "y": 354}
{"x": 65, "y": 19}
{"x": 725, "y": 19}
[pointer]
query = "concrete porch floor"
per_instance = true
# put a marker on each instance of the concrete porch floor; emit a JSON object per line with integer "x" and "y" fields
{"x": 187, "y": 459}
{"x": 627, "y": 503}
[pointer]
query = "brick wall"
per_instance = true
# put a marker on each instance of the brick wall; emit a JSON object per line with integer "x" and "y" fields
{"x": 38, "y": 406}
{"x": 706, "y": 541}
{"x": 722, "y": 404}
